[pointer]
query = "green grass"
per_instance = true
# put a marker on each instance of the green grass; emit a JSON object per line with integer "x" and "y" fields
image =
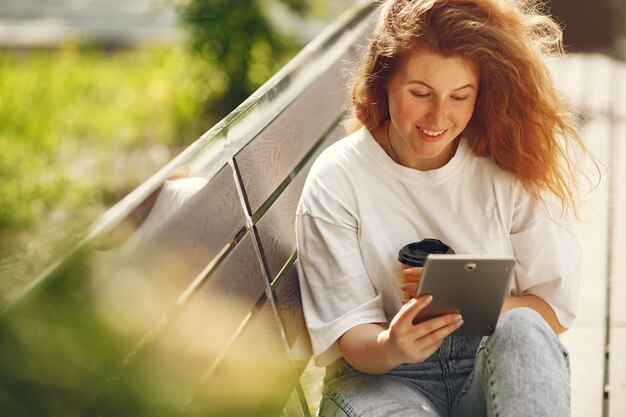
{"x": 79, "y": 129}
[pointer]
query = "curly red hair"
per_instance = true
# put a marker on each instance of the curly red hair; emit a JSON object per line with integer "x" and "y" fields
{"x": 520, "y": 120}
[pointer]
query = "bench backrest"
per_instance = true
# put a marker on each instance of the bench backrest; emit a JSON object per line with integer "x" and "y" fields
{"x": 184, "y": 298}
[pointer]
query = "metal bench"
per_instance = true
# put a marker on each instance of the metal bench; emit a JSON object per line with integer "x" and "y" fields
{"x": 184, "y": 297}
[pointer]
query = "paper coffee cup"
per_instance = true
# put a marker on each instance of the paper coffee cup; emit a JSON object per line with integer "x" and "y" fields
{"x": 414, "y": 254}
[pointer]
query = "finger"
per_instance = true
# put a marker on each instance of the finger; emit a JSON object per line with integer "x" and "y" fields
{"x": 439, "y": 327}
{"x": 409, "y": 287}
{"x": 413, "y": 272}
{"x": 429, "y": 344}
{"x": 409, "y": 290}
{"x": 411, "y": 282}
{"x": 425, "y": 351}
{"x": 407, "y": 298}
{"x": 411, "y": 308}
{"x": 412, "y": 275}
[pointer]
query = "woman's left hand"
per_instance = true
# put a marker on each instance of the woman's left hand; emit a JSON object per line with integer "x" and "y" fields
{"x": 412, "y": 278}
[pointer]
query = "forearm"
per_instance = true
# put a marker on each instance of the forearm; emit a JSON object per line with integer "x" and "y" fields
{"x": 537, "y": 304}
{"x": 376, "y": 348}
{"x": 363, "y": 348}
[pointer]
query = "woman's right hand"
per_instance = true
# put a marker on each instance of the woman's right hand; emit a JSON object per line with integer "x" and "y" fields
{"x": 376, "y": 348}
{"x": 406, "y": 342}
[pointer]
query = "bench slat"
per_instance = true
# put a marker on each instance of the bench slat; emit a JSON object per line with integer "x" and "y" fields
{"x": 290, "y": 306}
{"x": 170, "y": 258}
{"x": 173, "y": 364}
{"x": 294, "y": 406}
{"x": 220, "y": 305}
{"x": 311, "y": 381}
{"x": 267, "y": 161}
{"x": 210, "y": 220}
{"x": 254, "y": 378}
{"x": 277, "y": 226}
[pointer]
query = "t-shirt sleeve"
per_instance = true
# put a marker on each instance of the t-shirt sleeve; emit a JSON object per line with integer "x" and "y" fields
{"x": 336, "y": 290}
{"x": 549, "y": 257}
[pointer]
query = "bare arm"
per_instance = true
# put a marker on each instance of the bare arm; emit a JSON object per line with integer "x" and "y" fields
{"x": 374, "y": 348}
{"x": 537, "y": 304}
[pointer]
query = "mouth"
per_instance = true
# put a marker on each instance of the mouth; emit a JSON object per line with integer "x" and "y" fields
{"x": 431, "y": 135}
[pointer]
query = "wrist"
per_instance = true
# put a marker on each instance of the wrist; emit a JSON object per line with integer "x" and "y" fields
{"x": 387, "y": 352}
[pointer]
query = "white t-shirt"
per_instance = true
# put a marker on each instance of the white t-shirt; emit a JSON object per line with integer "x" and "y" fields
{"x": 358, "y": 208}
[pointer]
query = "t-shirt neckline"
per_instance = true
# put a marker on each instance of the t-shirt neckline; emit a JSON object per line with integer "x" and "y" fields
{"x": 385, "y": 162}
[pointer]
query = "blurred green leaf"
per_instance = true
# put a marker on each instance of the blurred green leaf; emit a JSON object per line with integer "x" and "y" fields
{"x": 78, "y": 131}
{"x": 237, "y": 37}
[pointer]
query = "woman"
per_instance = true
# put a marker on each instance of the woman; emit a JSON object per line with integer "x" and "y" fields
{"x": 457, "y": 134}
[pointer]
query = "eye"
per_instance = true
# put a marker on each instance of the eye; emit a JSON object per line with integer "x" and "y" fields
{"x": 459, "y": 98}
{"x": 417, "y": 94}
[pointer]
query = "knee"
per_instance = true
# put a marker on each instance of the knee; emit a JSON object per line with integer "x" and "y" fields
{"x": 520, "y": 330}
{"x": 522, "y": 319}
{"x": 523, "y": 344}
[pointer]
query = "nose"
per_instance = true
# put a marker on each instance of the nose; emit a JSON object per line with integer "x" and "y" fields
{"x": 438, "y": 113}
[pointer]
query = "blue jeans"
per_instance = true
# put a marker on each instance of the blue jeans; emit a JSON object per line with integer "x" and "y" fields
{"x": 522, "y": 369}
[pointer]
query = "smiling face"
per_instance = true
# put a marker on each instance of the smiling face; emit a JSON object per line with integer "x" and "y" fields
{"x": 431, "y": 101}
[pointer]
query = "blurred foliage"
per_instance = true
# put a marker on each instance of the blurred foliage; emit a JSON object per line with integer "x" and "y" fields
{"x": 62, "y": 356}
{"x": 80, "y": 128}
{"x": 56, "y": 353}
{"x": 237, "y": 37}
{"x": 60, "y": 107}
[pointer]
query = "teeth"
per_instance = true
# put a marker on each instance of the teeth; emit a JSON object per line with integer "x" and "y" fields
{"x": 431, "y": 133}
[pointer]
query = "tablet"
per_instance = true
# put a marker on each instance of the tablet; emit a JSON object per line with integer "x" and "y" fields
{"x": 472, "y": 285}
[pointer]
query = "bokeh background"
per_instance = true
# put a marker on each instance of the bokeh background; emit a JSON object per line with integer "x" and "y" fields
{"x": 96, "y": 95}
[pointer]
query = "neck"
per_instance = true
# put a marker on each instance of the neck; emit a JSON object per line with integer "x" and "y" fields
{"x": 421, "y": 164}
{"x": 394, "y": 154}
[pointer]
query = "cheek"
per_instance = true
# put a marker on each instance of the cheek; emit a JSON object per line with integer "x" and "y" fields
{"x": 464, "y": 114}
{"x": 410, "y": 108}
{"x": 402, "y": 110}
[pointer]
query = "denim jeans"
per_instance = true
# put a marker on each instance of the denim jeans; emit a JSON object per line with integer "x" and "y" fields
{"x": 522, "y": 369}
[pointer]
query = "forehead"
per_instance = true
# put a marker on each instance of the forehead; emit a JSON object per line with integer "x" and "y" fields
{"x": 436, "y": 70}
